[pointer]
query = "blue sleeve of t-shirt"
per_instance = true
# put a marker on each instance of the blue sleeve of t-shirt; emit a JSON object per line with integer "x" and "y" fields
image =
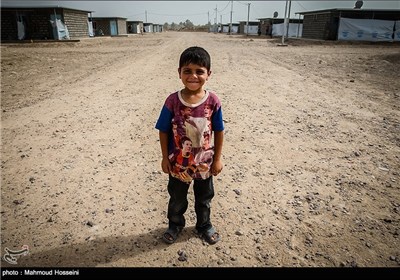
{"x": 217, "y": 121}
{"x": 164, "y": 121}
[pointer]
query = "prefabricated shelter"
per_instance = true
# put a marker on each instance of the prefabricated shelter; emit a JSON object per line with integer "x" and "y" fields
{"x": 275, "y": 27}
{"x": 38, "y": 23}
{"x": 148, "y": 27}
{"x": 253, "y": 27}
{"x": 135, "y": 27}
{"x": 235, "y": 28}
{"x": 109, "y": 26}
{"x": 226, "y": 27}
{"x": 355, "y": 24}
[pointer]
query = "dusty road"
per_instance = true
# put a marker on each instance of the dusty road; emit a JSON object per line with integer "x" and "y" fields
{"x": 312, "y": 153}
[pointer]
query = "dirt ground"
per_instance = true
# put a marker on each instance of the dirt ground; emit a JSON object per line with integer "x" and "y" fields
{"x": 311, "y": 153}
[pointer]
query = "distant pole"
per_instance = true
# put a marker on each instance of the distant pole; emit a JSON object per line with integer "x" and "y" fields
{"x": 221, "y": 23}
{"x": 287, "y": 29}
{"x": 208, "y": 22}
{"x": 230, "y": 25}
{"x": 298, "y": 27}
{"x": 146, "y": 16}
{"x": 284, "y": 25}
{"x": 248, "y": 16}
{"x": 216, "y": 20}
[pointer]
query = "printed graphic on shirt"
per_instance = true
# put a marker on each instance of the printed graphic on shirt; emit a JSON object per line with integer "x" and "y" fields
{"x": 192, "y": 155}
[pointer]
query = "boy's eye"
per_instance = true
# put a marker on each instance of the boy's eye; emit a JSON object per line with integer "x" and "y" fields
{"x": 198, "y": 72}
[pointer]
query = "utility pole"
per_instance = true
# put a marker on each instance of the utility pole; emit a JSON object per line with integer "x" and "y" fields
{"x": 248, "y": 16}
{"x": 284, "y": 27}
{"x": 215, "y": 20}
{"x": 230, "y": 25}
{"x": 146, "y": 15}
{"x": 287, "y": 29}
{"x": 208, "y": 22}
{"x": 221, "y": 23}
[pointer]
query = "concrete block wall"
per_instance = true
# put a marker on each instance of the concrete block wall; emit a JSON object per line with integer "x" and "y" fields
{"x": 76, "y": 23}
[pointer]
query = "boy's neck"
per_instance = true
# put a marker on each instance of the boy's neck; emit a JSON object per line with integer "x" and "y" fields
{"x": 192, "y": 97}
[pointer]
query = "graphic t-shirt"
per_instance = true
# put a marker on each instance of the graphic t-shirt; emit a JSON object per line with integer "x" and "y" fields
{"x": 190, "y": 128}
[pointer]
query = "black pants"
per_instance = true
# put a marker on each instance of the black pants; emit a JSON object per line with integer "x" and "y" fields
{"x": 178, "y": 203}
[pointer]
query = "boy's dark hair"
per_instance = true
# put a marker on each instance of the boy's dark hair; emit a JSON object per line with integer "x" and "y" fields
{"x": 195, "y": 55}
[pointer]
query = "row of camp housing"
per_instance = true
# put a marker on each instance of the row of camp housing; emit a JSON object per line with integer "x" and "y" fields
{"x": 40, "y": 23}
{"x": 330, "y": 24}
{"x": 265, "y": 26}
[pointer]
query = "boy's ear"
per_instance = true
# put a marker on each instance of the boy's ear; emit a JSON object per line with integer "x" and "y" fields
{"x": 209, "y": 74}
{"x": 179, "y": 72}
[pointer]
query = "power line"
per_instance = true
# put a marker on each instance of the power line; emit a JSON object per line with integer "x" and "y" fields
{"x": 255, "y": 10}
{"x": 245, "y": 4}
{"x": 227, "y": 13}
{"x": 224, "y": 8}
{"x": 298, "y": 3}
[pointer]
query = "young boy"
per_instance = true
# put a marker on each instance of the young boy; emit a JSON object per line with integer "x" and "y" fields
{"x": 180, "y": 161}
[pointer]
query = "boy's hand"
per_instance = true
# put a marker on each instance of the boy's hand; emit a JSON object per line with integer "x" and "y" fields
{"x": 166, "y": 165}
{"x": 216, "y": 167}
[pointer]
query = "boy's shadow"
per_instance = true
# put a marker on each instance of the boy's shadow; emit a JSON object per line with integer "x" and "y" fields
{"x": 100, "y": 251}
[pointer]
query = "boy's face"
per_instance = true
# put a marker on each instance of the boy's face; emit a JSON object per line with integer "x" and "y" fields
{"x": 194, "y": 76}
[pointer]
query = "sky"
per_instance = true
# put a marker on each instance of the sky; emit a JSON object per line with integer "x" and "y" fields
{"x": 198, "y": 12}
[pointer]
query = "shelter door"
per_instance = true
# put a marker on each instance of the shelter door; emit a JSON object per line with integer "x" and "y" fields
{"x": 53, "y": 20}
{"x": 21, "y": 26}
{"x": 113, "y": 27}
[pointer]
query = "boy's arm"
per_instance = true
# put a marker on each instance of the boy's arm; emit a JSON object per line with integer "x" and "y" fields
{"x": 217, "y": 165}
{"x": 165, "y": 164}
